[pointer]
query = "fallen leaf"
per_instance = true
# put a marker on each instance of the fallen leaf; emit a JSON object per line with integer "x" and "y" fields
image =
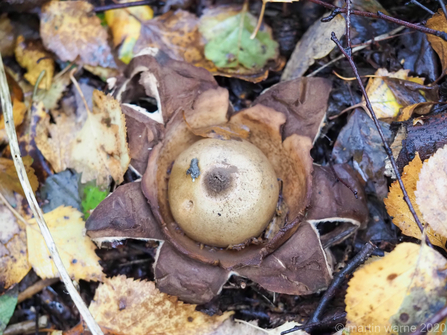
{"x": 8, "y": 302}
{"x": 420, "y": 108}
{"x": 97, "y": 149}
{"x": 438, "y": 22}
{"x": 13, "y": 253}
{"x": 125, "y": 25}
{"x": 136, "y": 307}
{"x": 50, "y": 97}
{"x": 61, "y": 189}
{"x": 18, "y": 113}
{"x": 9, "y": 180}
{"x": 398, "y": 209}
{"x": 380, "y": 292}
{"x": 32, "y": 56}
{"x": 76, "y": 250}
{"x": 359, "y": 141}
{"x": 431, "y": 191}
{"x": 71, "y": 29}
{"x": 229, "y": 46}
{"x": 383, "y": 101}
{"x": 100, "y": 148}
{"x": 315, "y": 44}
{"x": 230, "y": 327}
{"x": 91, "y": 197}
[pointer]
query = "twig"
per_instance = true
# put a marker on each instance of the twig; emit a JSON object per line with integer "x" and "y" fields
{"x": 338, "y": 10}
{"x": 348, "y": 26}
{"x": 358, "y": 48}
{"x": 441, "y": 3}
{"x": 36, "y": 288}
{"x": 37, "y": 212}
{"x": 26, "y": 327}
{"x": 379, "y": 129}
{"x": 125, "y": 5}
{"x": 339, "y": 278}
{"x": 431, "y": 323}
{"x": 414, "y": 2}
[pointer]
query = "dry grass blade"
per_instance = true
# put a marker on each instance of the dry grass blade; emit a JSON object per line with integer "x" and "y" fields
{"x": 37, "y": 212}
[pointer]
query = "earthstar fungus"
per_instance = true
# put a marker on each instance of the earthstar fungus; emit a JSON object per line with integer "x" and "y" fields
{"x": 245, "y": 177}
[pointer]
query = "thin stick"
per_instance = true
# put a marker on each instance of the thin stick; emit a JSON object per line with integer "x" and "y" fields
{"x": 125, "y": 5}
{"x": 36, "y": 288}
{"x": 338, "y": 10}
{"x": 441, "y": 2}
{"x": 348, "y": 26}
{"x": 339, "y": 278}
{"x": 37, "y": 212}
{"x": 379, "y": 129}
{"x": 421, "y": 6}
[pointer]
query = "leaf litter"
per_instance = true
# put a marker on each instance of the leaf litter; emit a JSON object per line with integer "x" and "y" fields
{"x": 86, "y": 155}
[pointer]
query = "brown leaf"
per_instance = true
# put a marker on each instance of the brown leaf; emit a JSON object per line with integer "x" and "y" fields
{"x": 9, "y": 180}
{"x": 135, "y": 307}
{"x": 315, "y": 44}
{"x": 432, "y": 191}
{"x": 32, "y": 56}
{"x": 438, "y": 22}
{"x": 71, "y": 29}
{"x": 7, "y": 36}
{"x": 398, "y": 209}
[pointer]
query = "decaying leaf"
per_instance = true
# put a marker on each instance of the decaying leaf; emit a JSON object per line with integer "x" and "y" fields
{"x": 32, "y": 56}
{"x": 229, "y": 46}
{"x": 398, "y": 209}
{"x": 71, "y": 29}
{"x": 7, "y": 36}
{"x": 230, "y": 327}
{"x": 401, "y": 289}
{"x": 125, "y": 25}
{"x": 315, "y": 44}
{"x": 76, "y": 250}
{"x": 8, "y": 302}
{"x": 128, "y": 306}
{"x": 18, "y": 110}
{"x": 13, "y": 253}
{"x": 9, "y": 181}
{"x": 50, "y": 97}
{"x": 438, "y": 22}
{"x": 100, "y": 148}
{"x": 431, "y": 191}
{"x": 384, "y": 101}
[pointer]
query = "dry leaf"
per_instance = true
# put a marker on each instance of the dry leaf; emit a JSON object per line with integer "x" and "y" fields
{"x": 128, "y": 306}
{"x": 13, "y": 254}
{"x": 50, "y": 98}
{"x": 125, "y": 25}
{"x": 398, "y": 209}
{"x": 71, "y": 29}
{"x": 100, "y": 148}
{"x": 401, "y": 289}
{"x": 76, "y": 250}
{"x": 9, "y": 181}
{"x": 7, "y": 37}
{"x": 18, "y": 113}
{"x": 54, "y": 140}
{"x": 230, "y": 327}
{"x": 315, "y": 44}
{"x": 431, "y": 192}
{"x": 383, "y": 101}
{"x": 32, "y": 56}
{"x": 438, "y": 22}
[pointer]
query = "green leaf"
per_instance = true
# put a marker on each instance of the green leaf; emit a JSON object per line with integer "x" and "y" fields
{"x": 229, "y": 44}
{"x": 8, "y": 302}
{"x": 91, "y": 197}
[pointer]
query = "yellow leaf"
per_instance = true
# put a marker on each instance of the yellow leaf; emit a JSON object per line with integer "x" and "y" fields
{"x": 438, "y": 22}
{"x": 32, "y": 56}
{"x": 397, "y": 208}
{"x": 13, "y": 255}
{"x": 125, "y": 26}
{"x": 18, "y": 113}
{"x": 127, "y": 306}
{"x": 431, "y": 192}
{"x": 380, "y": 293}
{"x": 71, "y": 29}
{"x": 100, "y": 149}
{"x": 76, "y": 250}
{"x": 9, "y": 181}
{"x": 382, "y": 99}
